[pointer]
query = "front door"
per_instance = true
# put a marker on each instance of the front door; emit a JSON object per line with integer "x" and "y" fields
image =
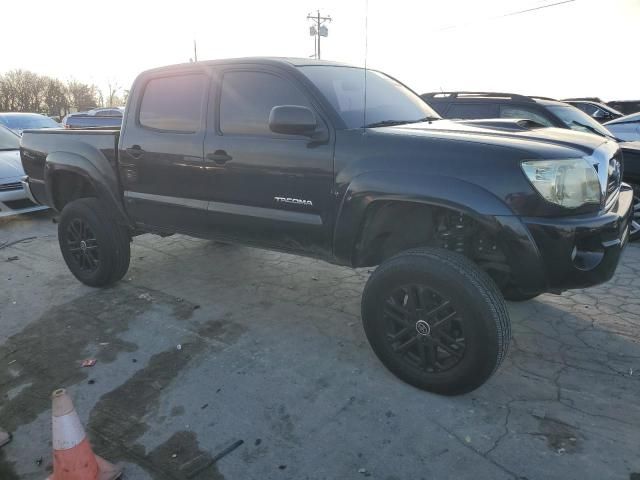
{"x": 161, "y": 157}
{"x": 267, "y": 188}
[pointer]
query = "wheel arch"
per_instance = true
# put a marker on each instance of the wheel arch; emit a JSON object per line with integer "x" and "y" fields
{"x": 369, "y": 193}
{"x": 88, "y": 173}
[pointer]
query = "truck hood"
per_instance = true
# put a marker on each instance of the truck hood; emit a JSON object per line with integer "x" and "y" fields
{"x": 514, "y": 133}
{"x": 10, "y": 164}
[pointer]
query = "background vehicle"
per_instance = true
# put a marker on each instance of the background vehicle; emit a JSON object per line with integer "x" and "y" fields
{"x": 282, "y": 154}
{"x": 597, "y": 110}
{"x": 627, "y": 107}
{"x": 14, "y": 198}
{"x": 625, "y": 128}
{"x": 544, "y": 111}
{"x": 19, "y": 121}
{"x": 99, "y": 117}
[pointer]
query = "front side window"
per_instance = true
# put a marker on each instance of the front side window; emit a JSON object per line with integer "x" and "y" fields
{"x": 523, "y": 113}
{"x": 386, "y": 99}
{"x": 173, "y": 103}
{"x": 248, "y": 97}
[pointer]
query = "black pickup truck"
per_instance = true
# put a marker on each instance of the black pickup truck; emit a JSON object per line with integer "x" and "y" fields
{"x": 283, "y": 154}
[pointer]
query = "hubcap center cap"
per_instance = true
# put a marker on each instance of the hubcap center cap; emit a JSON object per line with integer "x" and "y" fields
{"x": 423, "y": 327}
{"x": 83, "y": 245}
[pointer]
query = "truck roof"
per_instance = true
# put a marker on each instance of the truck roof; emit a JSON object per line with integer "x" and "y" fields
{"x": 279, "y": 61}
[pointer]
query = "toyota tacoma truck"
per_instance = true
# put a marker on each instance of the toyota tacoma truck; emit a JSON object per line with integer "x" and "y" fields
{"x": 350, "y": 166}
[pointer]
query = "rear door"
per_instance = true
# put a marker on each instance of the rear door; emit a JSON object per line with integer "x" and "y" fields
{"x": 266, "y": 188}
{"x": 161, "y": 151}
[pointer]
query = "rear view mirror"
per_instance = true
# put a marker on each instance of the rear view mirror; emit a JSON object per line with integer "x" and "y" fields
{"x": 292, "y": 120}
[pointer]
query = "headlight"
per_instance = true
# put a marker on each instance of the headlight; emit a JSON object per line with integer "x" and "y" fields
{"x": 569, "y": 183}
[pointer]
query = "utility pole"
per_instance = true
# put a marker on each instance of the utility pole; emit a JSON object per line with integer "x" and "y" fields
{"x": 318, "y": 29}
{"x": 195, "y": 52}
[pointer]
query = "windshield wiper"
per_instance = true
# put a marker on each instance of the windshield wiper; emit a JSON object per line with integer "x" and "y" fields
{"x": 390, "y": 123}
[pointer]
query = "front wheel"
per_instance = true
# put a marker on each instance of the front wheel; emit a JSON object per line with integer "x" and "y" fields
{"x": 94, "y": 246}
{"x": 436, "y": 320}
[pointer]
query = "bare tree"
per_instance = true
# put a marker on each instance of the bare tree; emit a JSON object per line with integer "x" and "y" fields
{"x": 56, "y": 98}
{"x": 25, "y": 91}
{"x": 112, "y": 99}
{"x": 81, "y": 95}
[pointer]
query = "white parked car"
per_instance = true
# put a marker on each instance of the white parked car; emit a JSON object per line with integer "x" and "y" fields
{"x": 13, "y": 196}
{"x": 625, "y": 128}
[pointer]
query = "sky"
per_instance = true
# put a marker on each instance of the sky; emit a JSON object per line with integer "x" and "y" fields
{"x": 578, "y": 48}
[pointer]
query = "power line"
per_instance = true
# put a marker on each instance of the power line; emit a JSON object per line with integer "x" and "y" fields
{"x": 510, "y": 14}
{"x": 534, "y": 9}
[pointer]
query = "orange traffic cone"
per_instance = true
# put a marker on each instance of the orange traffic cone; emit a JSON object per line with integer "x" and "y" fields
{"x": 73, "y": 458}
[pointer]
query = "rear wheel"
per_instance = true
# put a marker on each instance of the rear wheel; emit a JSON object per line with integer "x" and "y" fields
{"x": 436, "y": 320}
{"x": 94, "y": 246}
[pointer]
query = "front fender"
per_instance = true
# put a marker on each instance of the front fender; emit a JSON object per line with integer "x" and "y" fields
{"x": 93, "y": 166}
{"x": 436, "y": 190}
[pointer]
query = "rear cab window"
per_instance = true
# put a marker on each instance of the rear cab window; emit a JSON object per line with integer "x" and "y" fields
{"x": 174, "y": 103}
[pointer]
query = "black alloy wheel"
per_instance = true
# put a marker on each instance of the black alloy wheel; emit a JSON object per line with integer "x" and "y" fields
{"x": 424, "y": 328}
{"x": 83, "y": 245}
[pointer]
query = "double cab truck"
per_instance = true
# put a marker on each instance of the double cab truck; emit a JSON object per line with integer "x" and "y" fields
{"x": 350, "y": 166}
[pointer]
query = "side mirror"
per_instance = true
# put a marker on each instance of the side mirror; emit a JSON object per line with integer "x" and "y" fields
{"x": 600, "y": 114}
{"x": 292, "y": 120}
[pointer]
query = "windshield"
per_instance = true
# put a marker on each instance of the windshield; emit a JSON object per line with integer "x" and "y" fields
{"x": 387, "y": 100}
{"x": 23, "y": 122}
{"x": 8, "y": 140}
{"x": 578, "y": 120}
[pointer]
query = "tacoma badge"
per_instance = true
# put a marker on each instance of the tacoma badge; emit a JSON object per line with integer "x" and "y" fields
{"x": 294, "y": 201}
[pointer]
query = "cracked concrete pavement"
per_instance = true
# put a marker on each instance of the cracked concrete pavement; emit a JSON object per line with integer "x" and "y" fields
{"x": 273, "y": 353}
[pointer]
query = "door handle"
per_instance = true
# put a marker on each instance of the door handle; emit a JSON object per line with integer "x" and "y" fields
{"x": 219, "y": 156}
{"x": 135, "y": 151}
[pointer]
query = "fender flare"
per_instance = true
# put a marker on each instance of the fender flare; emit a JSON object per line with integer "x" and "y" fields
{"x": 91, "y": 164}
{"x": 434, "y": 190}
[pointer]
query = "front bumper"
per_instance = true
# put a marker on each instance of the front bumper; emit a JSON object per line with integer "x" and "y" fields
{"x": 15, "y": 198}
{"x": 561, "y": 253}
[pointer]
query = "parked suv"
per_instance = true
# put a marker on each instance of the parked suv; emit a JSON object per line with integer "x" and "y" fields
{"x": 546, "y": 112}
{"x": 285, "y": 154}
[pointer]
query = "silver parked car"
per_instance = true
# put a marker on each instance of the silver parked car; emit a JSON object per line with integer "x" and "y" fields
{"x": 626, "y": 128}
{"x": 19, "y": 121}
{"x": 13, "y": 196}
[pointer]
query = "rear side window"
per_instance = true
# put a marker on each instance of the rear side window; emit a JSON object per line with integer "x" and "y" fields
{"x": 248, "y": 97}
{"x": 524, "y": 113}
{"x": 173, "y": 103}
{"x": 472, "y": 110}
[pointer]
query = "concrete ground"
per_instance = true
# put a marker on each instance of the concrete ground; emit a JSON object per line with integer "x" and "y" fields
{"x": 272, "y": 353}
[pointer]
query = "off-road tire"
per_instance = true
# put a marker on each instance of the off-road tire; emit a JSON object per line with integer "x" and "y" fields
{"x": 111, "y": 240}
{"x": 479, "y": 312}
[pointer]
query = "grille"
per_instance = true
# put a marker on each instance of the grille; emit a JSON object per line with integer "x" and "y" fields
{"x": 6, "y": 187}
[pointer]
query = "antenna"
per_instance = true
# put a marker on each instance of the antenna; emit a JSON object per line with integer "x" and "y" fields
{"x": 366, "y": 53}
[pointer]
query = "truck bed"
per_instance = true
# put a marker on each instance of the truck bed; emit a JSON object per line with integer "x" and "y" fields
{"x": 37, "y": 144}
